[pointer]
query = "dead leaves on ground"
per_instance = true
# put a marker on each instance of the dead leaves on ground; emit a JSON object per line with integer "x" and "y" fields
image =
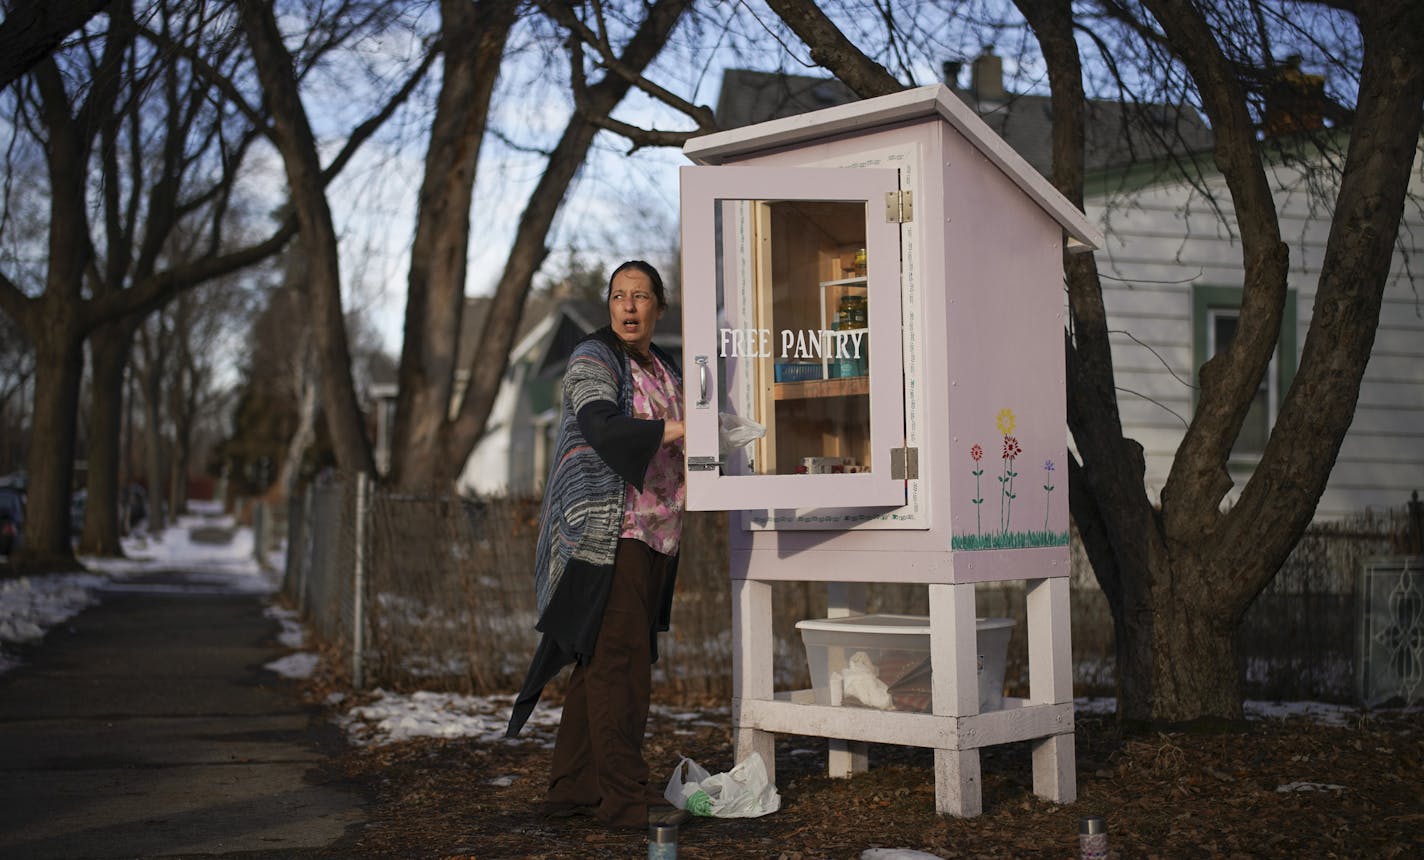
{"x": 1274, "y": 789}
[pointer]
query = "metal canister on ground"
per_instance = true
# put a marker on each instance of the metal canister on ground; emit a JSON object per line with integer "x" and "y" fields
{"x": 1092, "y": 838}
{"x": 662, "y": 842}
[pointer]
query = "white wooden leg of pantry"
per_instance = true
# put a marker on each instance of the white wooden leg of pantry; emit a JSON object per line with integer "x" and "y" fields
{"x": 957, "y": 783}
{"x": 846, "y": 758}
{"x": 1050, "y": 680}
{"x": 752, "y": 651}
{"x": 954, "y": 673}
{"x": 1055, "y": 773}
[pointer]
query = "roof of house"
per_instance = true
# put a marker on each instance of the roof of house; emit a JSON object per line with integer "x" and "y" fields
{"x": 578, "y": 317}
{"x": 892, "y": 109}
{"x": 1118, "y": 133}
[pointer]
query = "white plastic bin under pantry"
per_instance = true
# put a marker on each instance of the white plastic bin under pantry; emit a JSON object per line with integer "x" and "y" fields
{"x": 883, "y": 661}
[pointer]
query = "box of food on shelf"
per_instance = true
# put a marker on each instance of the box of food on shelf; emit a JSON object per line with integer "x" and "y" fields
{"x": 797, "y": 371}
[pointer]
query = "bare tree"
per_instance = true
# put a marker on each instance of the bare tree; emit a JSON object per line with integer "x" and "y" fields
{"x": 167, "y": 157}
{"x": 1180, "y": 576}
{"x": 56, "y": 314}
{"x": 436, "y": 425}
{"x": 77, "y": 107}
{"x": 431, "y": 446}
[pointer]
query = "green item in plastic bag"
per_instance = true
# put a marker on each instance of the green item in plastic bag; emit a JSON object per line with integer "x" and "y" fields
{"x": 743, "y": 792}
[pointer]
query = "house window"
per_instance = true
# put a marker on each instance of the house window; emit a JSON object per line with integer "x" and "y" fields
{"x": 1215, "y": 318}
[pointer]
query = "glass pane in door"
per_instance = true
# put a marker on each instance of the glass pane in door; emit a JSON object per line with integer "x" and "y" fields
{"x": 792, "y": 334}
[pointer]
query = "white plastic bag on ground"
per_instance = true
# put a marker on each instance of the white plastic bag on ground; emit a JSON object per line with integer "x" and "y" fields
{"x": 745, "y": 791}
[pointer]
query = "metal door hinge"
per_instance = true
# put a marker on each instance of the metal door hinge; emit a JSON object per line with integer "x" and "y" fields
{"x": 899, "y": 207}
{"x": 904, "y": 463}
{"x": 703, "y": 464}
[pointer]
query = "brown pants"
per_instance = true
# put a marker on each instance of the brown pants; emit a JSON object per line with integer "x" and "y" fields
{"x": 598, "y": 755}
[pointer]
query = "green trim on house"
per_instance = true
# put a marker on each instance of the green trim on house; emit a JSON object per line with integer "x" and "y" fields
{"x": 1206, "y": 298}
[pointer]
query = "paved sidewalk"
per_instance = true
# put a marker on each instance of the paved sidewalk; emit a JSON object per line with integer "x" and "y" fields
{"x": 146, "y": 727}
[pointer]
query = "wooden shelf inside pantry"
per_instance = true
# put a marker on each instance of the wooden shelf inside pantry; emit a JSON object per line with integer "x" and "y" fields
{"x": 846, "y": 387}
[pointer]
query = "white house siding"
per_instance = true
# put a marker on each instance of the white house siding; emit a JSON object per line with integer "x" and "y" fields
{"x": 1164, "y": 239}
{"x": 503, "y": 461}
{"x": 488, "y": 469}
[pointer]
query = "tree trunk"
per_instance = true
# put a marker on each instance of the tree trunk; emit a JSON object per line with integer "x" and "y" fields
{"x": 54, "y": 322}
{"x": 306, "y": 428}
{"x": 1195, "y": 673}
{"x": 59, "y": 367}
{"x": 150, "y": 380}
{"x": 491, "y": 355}
{"x": 109, "y": 348}
{"x": 473, "y": 37}
{"x": 293, "y": 136}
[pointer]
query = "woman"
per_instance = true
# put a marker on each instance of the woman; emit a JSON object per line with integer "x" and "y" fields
{"x": 606, "y": 559}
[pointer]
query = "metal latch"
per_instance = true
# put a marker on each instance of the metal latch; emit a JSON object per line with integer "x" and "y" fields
{"x": 703, "y": 464}
{"x": 904, "y": 464}
{"x": 899, "y": 207}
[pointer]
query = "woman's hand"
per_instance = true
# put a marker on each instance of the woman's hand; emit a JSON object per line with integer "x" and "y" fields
{"x": 673, "y": 431}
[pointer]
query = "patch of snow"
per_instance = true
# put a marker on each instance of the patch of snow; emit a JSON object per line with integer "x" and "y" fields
{"x": 897, "y": 854}
{"x": 1307, "y": 786}
{"x": 229, "y": 566}
{"x": 1098, "y": 706}
{"x": 30, "y": 605}
{"x": 292, "y": 635}
{"x": 502, "y": 781}
{"x": 299, "y": 665}
{"x": 394, "y": 717}
{"x": 1320, "y": 713}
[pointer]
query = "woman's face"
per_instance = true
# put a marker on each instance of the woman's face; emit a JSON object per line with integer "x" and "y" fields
{"x": 633, "y": 309}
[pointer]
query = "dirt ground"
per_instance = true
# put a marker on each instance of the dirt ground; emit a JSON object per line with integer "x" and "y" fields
{"x": 1279, "y": 788}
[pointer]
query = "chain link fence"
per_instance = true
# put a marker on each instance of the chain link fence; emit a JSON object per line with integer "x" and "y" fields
{"x": 441, "y": 597}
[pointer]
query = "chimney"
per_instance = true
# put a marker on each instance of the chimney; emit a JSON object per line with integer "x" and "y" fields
{"x": 988, "y": 76}
{"x": 951, "y": 73}
{"x": 1295, "y": 101}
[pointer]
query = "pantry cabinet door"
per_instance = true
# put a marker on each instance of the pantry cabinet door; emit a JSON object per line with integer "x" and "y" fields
{"x": 791, "y": 337}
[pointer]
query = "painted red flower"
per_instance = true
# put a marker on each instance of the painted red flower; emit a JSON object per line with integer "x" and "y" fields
{"x": 1011, "y": 448}
{"x": 976, "y": 453}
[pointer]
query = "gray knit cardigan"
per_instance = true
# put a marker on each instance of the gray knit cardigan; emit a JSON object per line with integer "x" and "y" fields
{"x": 601, "y": 449}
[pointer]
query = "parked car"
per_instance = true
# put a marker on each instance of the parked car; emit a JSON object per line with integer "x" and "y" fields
{"x": 12, "y": 519}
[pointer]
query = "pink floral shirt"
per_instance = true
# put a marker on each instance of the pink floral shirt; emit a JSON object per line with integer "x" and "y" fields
{"x": 654, "y": 516}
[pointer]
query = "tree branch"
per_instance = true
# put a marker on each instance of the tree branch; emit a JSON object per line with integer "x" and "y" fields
{"x": 626, "y": 67}
{"x": 32, "y": 29}
{"x": 14, "y": 302}
{"x": 832, "y": 50}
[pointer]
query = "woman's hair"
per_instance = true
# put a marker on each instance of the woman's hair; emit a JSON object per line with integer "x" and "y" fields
{"x": 647, "y": 269}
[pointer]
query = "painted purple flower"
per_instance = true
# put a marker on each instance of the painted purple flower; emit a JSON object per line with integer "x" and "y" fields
{"x": 1048, "y": 465}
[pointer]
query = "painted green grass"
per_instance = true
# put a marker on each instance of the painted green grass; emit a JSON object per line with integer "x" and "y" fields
{"x": 1009, "y": 540}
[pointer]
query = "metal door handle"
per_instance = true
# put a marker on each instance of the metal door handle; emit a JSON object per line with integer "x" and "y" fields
{"x": 702, "y": 381}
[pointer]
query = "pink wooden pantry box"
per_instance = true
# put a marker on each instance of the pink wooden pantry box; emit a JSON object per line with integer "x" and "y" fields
{"x": 880, "y": 287}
